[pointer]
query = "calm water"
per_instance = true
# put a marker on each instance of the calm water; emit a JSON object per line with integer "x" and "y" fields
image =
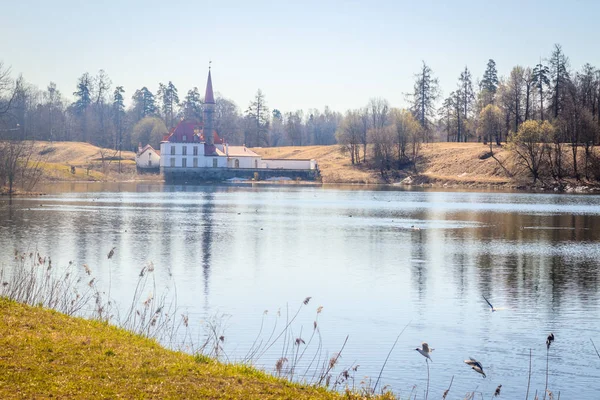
{"x": 238, "y": 251}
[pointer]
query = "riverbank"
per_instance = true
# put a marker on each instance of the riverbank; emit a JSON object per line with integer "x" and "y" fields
{"x": 440, "y": 165}
{"x": 48, "y": 354}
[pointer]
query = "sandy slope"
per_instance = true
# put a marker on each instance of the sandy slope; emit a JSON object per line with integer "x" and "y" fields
{"x": 443, "y": 163}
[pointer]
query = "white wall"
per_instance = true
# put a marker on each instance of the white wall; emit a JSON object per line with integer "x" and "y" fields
{"x": 148, "y": 159}
{"x": 244, "y": 162}
{"x": 172, "y": 156}
{"x": 289, "y": 164}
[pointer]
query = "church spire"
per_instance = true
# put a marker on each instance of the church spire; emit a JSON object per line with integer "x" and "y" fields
{"x": 209, "y": 97}
{"x": 209, "y": 109}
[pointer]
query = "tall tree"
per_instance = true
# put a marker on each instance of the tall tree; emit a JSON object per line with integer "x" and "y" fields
{"x": 192, "y": 105}
{"x": 227, "y": 120}
{"x": 559, "y": 72}
{"x": 446, "y": 116}
{"x": 294, "y": 128}
{"x": 468, "y": 95}
{"x": 349, "y": 134}
{"x": 489, "y": 83}
{"x": 258, "y": 116}
{"x": 144, "y": 103}
{"x": 118, "y": 114}
{"x": 515, "y": 85}
{"x": 83, "y": 95}
{"x": 169, "y": 98}
{"x": 83, "y": 101}
{"x": 541, "y": 81}
{"x": 101, "y": 110}
{"x": 425, "y": 94}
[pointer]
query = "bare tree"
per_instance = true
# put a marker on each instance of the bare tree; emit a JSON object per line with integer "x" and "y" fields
{"x": 349, "y": 135}
{"x": 530, "y": 144}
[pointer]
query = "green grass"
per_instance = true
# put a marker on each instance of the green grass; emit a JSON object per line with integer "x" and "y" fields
{"x": 48, "y": 354}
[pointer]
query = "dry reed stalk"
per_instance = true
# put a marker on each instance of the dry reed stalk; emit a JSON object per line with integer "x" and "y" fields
{"x": 529, "y": 377}
{"x": 448, "y": 390}
{"x": 388, "y": 355}
{"x": 427, "y": 392}
{"x": 598, "y": 354}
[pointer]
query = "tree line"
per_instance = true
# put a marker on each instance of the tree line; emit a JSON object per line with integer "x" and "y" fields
{"x": 548, "y": 113}
{"x": 96, "y": 113}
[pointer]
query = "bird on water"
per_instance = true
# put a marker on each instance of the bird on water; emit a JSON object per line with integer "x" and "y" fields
{"x": 425, "y": 350}
{"x": 549, "y": 340}
{"x": 476, "y": 365}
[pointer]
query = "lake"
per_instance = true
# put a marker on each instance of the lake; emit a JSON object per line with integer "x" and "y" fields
{"x": 376, "y": 260}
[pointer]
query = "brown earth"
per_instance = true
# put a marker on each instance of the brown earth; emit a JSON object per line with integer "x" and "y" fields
{"x": 449, "y": 164}
{"x": 465, "y": 165}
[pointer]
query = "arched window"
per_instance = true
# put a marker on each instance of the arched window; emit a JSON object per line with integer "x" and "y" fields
{"x": 237, "y": 163}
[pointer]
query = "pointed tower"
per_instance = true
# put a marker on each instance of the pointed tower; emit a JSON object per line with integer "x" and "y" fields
{"x": 209, "y": 111}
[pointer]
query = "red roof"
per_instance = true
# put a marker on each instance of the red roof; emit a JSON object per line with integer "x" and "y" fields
{"x": 208, "y": 96}
{"x": 185, "y": 131}
{"x": 192, "y": 131}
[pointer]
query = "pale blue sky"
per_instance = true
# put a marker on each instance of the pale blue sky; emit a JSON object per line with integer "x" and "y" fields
{"x": 306, "y": 54}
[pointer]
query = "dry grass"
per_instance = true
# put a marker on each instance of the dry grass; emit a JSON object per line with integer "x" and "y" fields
{"x": 335, "y": 167}
{"x": 450, "y": 163}
{"x": 86, "y": 158}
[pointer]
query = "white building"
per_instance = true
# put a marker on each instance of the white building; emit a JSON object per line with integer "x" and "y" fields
{"x": 147, "y": 159}
{"x": 190, "y": 152}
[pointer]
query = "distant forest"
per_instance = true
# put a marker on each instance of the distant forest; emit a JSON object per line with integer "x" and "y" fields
{"x": 549, "y": 103}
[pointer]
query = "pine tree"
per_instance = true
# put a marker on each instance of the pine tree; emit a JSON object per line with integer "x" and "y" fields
{"x": 169, "y": 100}
{"x": 426, "y": 92}
{"x": 118, "y": 111}
{"x": 489, "y": 83}
{"x": 83, "y": 94}
{"x": 541, "y": 80}
{"x": 559, "y": 72}
{"x": 144, "y": 103}
{"x": 192, "y": 105}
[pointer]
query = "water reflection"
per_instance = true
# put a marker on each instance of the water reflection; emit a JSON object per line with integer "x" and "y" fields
{"x": 243, "y": 249}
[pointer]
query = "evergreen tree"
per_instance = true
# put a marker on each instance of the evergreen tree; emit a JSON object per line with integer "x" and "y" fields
{"x": 559, "y": 72}
{"x": 83, "y": 95}
{"x": 489, "y": 83}
{"x": 144, "y": 103}
{"x": 541, "y": 80}
{"x": 118, "y": 112}
{"x": 169, "y": 100}
{"x": 468, "y": 95}
{"x": 192, "y": 105}
{"x": 426, "y": 92}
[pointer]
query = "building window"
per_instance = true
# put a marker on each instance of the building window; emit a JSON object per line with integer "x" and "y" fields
{"x": 172, "y": 161}
{"x": 184, "y": 150}
{"x": 149, "y": 163}
{"x": 215, "y": 163}
{"x": 255, "y": 163}
{"x": 172, "y": 150}
{"x": 184, "y": 138}
{"x": 237, "y": 163}
{"x": 195, "y": 163}
{"x": 184, "y": 162}
{"x": 149, "y": 155}
{"x": 195, "y": 150}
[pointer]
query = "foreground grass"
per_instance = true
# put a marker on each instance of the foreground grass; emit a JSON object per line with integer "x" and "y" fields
{"x": 48, "y": 354}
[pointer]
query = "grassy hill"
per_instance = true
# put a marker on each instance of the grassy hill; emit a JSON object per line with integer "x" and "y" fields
{"x": 461, "y": 164}
{"x": 441, "y": 164}
{"x": 91, "y": 163}
{"x": 47, "y": 354}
